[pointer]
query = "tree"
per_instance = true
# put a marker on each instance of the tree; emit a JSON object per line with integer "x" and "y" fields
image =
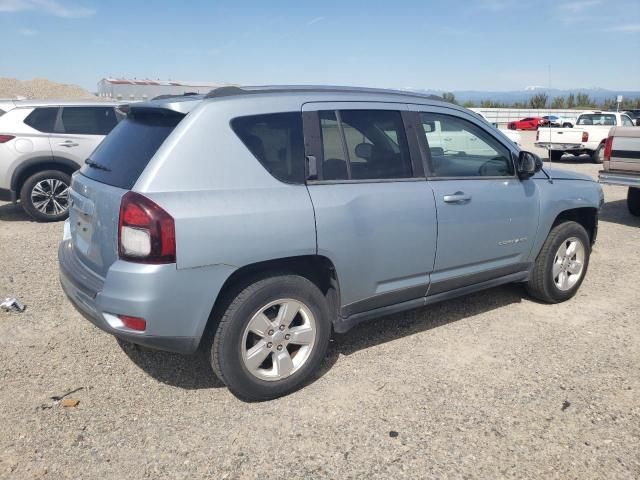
{"x": 558, "y": 103}
{"x": 583, "y": 101}
{"x": 611, "y": 104}
{"x": 449, "y": 97}
{"x": 469, "y": 104}
{"x": 571, "y": 101}
{"x": 539, "y": 100}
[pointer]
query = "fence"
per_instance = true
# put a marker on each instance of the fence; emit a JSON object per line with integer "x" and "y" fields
{"x": 502, "y": 116}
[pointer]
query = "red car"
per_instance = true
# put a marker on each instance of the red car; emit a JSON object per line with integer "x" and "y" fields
{"x": 529, "y": 123}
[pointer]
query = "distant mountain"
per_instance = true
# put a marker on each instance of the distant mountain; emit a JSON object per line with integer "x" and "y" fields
{"x": 597, "y": 94}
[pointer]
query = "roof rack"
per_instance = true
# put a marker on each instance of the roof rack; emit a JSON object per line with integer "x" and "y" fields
{"x": 230, "y": 91}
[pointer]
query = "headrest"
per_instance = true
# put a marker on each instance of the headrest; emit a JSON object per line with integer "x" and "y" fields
{"x": 364, "y": 150}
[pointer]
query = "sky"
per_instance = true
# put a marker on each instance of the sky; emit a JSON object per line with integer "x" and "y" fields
{"x": 448, "y": 45}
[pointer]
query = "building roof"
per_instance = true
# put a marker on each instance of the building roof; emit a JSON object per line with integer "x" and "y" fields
{"x": 163, "y": 83}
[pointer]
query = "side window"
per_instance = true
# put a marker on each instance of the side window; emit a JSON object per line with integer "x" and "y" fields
{"x": 335, "y": 164}
{"x": 464, "y": 149}
{"x": 276, "y": 140}
{"x": 88, "y": 120}
{"x": 626, "y": 121}
{"x": 375, "y": 142}
{"x": 42, "y": 119}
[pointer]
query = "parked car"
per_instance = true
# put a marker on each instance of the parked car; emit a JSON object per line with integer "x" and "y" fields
{"x": 555, "y": 121}
{"x": 588, "y": 136}
{"x": 529, "y": 123}
{"x": 253, "y": 222}
{"x": 634, "y": 115}
{"x": 512, "y": 135}
{"x": 41, "y": 144}
{"x": 622, "y": 164}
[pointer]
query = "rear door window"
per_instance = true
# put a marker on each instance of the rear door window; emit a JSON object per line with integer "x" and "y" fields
{"x": 42, "y": 119}
{"x": 88, "y": 120}
{"x": 124, "y": 154}
{"x": 364, "y": 145}
{"x": 276, "y": 140}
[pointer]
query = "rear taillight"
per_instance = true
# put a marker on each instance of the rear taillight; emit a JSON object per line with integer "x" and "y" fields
{"x": 608, "y": 146}
{"x": 146, "y": 233}
{"x": 6, "y": 138}
{"x": 585, "y": 136}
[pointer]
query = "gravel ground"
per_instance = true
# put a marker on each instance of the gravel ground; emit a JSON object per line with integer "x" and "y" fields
{"x": 493, "y": 385}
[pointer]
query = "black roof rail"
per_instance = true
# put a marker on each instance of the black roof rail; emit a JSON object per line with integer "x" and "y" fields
{"x": 230, "y": 91}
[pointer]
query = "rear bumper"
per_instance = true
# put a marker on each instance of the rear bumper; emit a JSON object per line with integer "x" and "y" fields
{"x": 565, "y": 147}
{"x": 617, "y": 178}
{"x": 8, "y": 195}
{"x": 176, "y": 304}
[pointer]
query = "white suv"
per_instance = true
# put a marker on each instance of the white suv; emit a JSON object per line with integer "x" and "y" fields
{"x": 42, "y": 143}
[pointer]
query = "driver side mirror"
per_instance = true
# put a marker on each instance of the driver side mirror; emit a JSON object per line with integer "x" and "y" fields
{"x": 528, "y": 164}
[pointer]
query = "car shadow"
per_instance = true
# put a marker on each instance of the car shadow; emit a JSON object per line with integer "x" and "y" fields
{"x": 193, "y": 372}
{"x": 394, "y": 327}
{"x": 11, "y": 212}
{"x": 189, "y": 372}
{"x": 617, "y": 212}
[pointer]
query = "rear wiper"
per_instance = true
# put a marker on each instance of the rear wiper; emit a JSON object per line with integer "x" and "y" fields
{"x": 96, "y": 165}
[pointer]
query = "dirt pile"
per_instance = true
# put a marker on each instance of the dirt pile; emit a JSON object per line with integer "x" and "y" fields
{"x": 40, "y": 88}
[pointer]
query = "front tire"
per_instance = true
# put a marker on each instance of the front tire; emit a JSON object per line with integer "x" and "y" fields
{"x": 272, "y": 338}
{"x": 45, "y": 196}
{"x": 561, "y": 264}
{"x": 633, "y": 201}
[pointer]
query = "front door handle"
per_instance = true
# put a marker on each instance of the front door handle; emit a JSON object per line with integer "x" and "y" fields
{"x": 68, "y": 143}
{"x": 458, "y": 197}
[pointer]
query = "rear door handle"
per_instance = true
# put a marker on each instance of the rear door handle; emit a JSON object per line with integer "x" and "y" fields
{"x": 68, "y": 143}
{"x": 458, "y": 197}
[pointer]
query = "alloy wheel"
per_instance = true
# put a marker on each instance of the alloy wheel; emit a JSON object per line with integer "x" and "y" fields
{"x": 278, "y": 339}
{"x": 568, "y": 264}
{"x": 50, "y": 196}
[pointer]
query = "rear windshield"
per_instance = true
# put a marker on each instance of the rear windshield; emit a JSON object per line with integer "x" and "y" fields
{"x": 597, "y": 119}
{"x": 125, "y": 152}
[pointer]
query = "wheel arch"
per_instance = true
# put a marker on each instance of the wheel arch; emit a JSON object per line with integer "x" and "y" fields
{"x": 319, "y": 269}
{"x": 585, "y": 216}
{"x": 35, "y": 165}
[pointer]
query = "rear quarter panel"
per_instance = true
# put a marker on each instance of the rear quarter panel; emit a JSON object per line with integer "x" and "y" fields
{"x": 227, "y": 207}
{"x": 625, "y": 150}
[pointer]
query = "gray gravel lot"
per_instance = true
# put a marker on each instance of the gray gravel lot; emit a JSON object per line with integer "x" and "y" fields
{"x": 493, "y": 385}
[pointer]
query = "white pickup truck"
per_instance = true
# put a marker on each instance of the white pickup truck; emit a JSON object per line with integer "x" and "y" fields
{"x": 588, "y": 136}
{"x": 622, "y": 163}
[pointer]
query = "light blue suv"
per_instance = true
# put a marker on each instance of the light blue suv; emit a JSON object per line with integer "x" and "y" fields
{"x": 253, "y": 222}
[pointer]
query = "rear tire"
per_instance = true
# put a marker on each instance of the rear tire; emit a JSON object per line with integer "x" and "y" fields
{"x": 556, "y": 155}
{"x": 258, "y": 350}
{"x": 567, "y": 125}
{"x": 556, "y": 277}
{"x": 633, "y": 201}
{"x": 45, "y": 196}
{"x": 598, "y": 155}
